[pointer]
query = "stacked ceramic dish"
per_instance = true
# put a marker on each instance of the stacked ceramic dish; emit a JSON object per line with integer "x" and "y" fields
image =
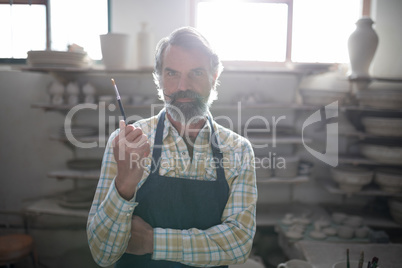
{"x": 351, "y": 179}
{"x": 323, "y": 97}
{"x": 389, "y": 179}
{"x": 48, "y": 58}
{"x": 380, "y": 99}
{"x": 395, "y": 208}
{"x": 383, "y": 126}
{"x": 77, "y": 199}
{"x": 385, "y": 154}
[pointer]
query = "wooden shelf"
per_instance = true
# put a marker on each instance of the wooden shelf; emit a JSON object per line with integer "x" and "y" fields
{"x": 50, "y": 206}
{"x": 271, "y": 214}
{"x": 75, "y": 174}
{"x": 369, "y": 190}
{"x": 361, "y": 160}
{"x": 276, "y": 180}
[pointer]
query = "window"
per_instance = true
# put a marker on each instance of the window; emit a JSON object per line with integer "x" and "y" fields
{"x": 24, "y": 26}
{"x": 310, "y": 31}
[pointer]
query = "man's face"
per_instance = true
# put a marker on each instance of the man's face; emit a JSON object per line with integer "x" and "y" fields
{"x": 187, "y": 83}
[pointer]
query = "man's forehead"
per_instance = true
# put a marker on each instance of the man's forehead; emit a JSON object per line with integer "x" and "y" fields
{"x": 191, "y": 57}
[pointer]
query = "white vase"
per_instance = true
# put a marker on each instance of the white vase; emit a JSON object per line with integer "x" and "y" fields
{"x": 146, "y": 48}
{"x": 362, "y": 45}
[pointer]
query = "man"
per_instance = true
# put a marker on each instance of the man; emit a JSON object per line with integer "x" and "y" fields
{"x": 177, "y": 189}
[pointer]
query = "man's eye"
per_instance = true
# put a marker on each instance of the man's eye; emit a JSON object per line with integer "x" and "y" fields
{"x": 198, "y": 73}
{"x": 171, "y": 73}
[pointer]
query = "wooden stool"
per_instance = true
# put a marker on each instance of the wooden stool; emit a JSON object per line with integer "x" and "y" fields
{"x": 16, "y": 247}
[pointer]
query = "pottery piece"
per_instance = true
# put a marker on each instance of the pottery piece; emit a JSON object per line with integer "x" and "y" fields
{"x": 338, "y": 217}
{"x": 362, "y": 232}
{"x": 351, "y": 179}
{"x": 362, "y": 45}
{"x": 383, "y": 126}
{"x": 354, "y": 221}
{"x": 389, "y": 180}
{"x": 322, "y": 97}
{"x": 384, "y": 154}
{"x": 345, "y": 232}
{"x": 330, "y": 231}
{"x": 389, "y": 99}
{"x": 317, "y": 235}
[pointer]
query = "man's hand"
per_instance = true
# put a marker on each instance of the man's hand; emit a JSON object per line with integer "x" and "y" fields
{"x": 142, "y": 237}
{"x": 130, "y": 147}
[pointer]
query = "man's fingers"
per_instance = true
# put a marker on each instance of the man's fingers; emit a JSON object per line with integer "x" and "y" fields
{"x": 122, "y": 125}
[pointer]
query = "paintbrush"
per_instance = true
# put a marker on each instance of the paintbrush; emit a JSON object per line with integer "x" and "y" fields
{"x": 119, "y": 100}
{"x": 361, "y": 260}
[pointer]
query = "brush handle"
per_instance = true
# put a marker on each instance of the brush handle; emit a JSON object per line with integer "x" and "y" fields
{"x": 122, "y": 110}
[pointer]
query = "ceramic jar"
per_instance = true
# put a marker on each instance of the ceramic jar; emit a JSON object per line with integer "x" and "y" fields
{"x": 362, "y": 45}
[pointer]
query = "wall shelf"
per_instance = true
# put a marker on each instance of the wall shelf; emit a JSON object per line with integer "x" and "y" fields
{"x": 369, "y": 190}
{"x": 75, "y": 174}
{"x": 50, "y": 206}
{"x": 276, "y": 180}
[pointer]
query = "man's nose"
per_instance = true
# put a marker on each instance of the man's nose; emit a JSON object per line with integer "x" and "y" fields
{"x": 184, "y": 83}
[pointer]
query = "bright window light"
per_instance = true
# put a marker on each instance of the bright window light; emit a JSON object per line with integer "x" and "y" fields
{"x": 79, "y": 22}
{"x": 244, "y": 31}
{"x": 23, "y": 27}
{"x": 257, "y": 30}
{"x": 321, "y": 29}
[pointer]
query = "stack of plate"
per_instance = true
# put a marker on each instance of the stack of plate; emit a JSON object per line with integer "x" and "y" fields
{"x": 385, "y": 154}
{"x": 383, "y": 126}
{"x": 389, "y": 179}
{"x": 380, "y": 99}
{"x": 77, "y": 199}
{"x": 323, "y": 97}
{"x": 49, "y": 58}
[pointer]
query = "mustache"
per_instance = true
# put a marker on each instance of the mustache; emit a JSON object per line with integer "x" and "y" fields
{"x": 184, "y": 94}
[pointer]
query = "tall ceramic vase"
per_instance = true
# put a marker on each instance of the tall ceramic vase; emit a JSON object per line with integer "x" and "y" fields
{"x": 362, "y": 45}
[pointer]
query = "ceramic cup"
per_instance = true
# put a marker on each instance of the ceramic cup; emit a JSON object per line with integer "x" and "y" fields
{"x": 295, "y": 264}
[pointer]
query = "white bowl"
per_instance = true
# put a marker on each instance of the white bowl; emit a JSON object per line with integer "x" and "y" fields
{"x": 383, "y": 126}
{"x": 345, "y": 232}
{"x": 382, "y": 153}
{"x": 351, "y": 179}
{"x": 389, "y": 180}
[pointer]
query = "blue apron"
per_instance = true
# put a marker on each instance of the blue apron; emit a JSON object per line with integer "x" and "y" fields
{"x": 178, "y": 203}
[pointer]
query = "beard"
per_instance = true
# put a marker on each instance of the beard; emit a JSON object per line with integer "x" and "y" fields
{"x": 188, "y": 112}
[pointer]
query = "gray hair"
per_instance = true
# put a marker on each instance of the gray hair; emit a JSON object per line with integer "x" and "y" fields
{"x": 188, "y": 38}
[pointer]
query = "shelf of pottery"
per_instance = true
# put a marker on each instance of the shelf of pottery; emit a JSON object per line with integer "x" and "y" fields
{"x": 370, "y": 160}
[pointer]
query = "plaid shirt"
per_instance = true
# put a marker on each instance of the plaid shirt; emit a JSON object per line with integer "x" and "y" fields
{"x": 109, "y": 220}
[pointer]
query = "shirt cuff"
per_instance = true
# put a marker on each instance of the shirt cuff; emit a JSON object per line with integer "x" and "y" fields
{"x": 116, "y": 207}
{"x": 168, "y": 245}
